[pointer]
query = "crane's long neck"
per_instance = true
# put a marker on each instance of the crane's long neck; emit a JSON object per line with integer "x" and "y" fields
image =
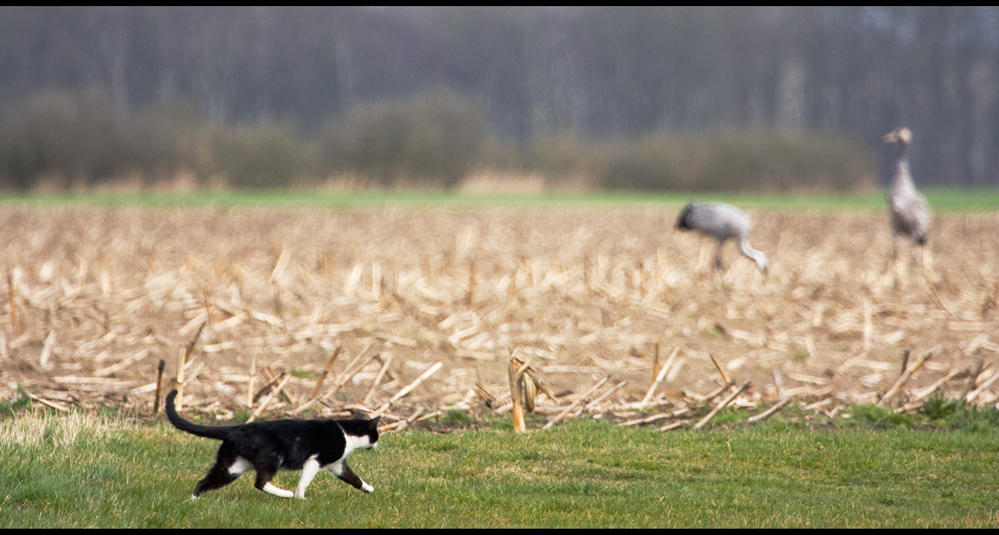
{"x": 754, "y": 255}
{"x": 903, "y": 176}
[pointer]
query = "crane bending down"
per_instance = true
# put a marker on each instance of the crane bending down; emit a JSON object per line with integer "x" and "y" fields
{"x": 721, "y": 221}
{"x": 909, "y": 212}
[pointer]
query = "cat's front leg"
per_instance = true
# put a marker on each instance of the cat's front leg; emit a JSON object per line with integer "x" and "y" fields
{"x": 263, "y": 482}
{"x": 342, "y": 471}
{"x": 276, "y": 491}
{"x": 309, "y": 471}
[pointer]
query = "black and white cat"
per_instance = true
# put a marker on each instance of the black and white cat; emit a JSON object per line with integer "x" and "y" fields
{"x": 266, "y": 447}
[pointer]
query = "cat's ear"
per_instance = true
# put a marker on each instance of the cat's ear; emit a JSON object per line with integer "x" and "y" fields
{"x": 357, "y": 416}
{"x": 374, "y": 422}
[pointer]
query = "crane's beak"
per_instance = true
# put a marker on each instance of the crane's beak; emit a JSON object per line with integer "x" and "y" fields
{"x": 900, "y": 135}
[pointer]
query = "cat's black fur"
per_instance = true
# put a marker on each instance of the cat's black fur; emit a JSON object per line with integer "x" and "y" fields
{"x": 267, "y": 447}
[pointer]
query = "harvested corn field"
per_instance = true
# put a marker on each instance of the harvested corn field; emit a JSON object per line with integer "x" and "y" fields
{"x": 321, "y": 312}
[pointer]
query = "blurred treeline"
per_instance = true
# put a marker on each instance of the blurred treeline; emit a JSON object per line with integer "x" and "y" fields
{"x": 637, "y": 98}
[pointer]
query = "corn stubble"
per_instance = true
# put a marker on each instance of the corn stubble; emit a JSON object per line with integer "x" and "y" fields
{"x": 98, "y": 297}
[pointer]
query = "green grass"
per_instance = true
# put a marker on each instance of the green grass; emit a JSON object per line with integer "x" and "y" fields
{"x": 941, "y": 200}
{"x": 583, "y": 474}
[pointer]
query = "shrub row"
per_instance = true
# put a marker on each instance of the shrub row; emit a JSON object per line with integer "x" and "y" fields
{"x": 434, "y": 140}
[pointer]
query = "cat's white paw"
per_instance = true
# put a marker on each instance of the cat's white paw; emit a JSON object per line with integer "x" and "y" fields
{"x": 299, "y": 495}
{"x": 367, "y": 488}
{"x": 193, "y": 497}
{"x": 280, "y": 493}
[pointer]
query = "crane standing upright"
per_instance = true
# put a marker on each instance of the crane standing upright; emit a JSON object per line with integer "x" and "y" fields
{"x": 910, "y": 215}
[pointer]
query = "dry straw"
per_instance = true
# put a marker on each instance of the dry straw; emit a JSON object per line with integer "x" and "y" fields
{"x": 94, "y": 293}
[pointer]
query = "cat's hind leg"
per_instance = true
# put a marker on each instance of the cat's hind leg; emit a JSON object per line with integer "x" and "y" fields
{"x": 228, "y": 467}
{"x": 342, "y": 471}
{"x": 309, "y": 471}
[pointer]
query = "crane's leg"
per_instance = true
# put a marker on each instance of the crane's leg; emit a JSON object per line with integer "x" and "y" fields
{"x": 703, "y": 257}
{"x": 901, "y": 272}
{"x": 928, "y": 272}
{"x": 719, "y": 270}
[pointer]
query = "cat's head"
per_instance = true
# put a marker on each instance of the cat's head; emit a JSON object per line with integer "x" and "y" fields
{"x": 365, "y": 430}
{"x": 373, "y": 431}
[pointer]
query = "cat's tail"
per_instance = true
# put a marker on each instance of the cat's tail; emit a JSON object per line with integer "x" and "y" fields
{"x": 216, "y": 432}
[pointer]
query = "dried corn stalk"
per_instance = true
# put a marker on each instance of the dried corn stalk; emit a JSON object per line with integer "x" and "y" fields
{"x": 131, "y": 298}
{"x": 524, "y": 388}
{"x": 531, "y": 387}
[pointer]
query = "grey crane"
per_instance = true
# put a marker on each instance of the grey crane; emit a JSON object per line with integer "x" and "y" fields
{"x": 721, "y": 221}
{"x": 910, "y": 215}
